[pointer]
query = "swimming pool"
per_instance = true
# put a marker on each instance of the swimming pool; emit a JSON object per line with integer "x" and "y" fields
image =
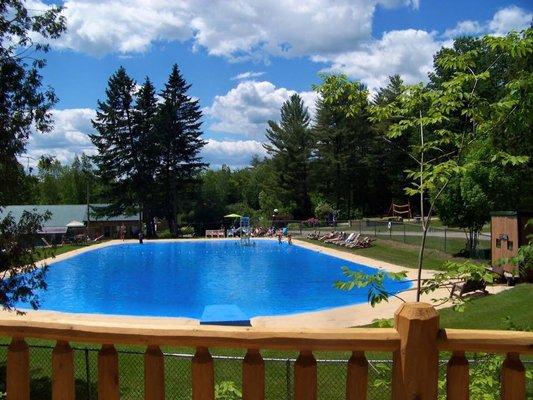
{"x": 179, "y": 279}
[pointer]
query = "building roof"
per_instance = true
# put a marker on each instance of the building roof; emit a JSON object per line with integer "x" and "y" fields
{"x": 62, "y": 214}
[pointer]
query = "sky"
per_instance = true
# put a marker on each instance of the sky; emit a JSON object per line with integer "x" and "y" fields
{"x": 244, "y": 58}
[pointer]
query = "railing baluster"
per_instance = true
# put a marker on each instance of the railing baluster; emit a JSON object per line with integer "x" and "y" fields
{"x": 154, "y": 374}
{"x": 416, "y": 363}
{"x": 305, "y": 377}
{"x": 457, "y": 379}
{"x": 253, "y": 376}
{"x": 108, "y": 388}
{"x": 203, "y": 375}
{"x": 513, "y": 378}
{"x": 18, "y": 370}
{"x": 357, "y": 377}
{"x": 62, "y": 372}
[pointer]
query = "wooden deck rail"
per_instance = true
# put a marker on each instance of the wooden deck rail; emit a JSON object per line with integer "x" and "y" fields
{"x": 415, "y": 343}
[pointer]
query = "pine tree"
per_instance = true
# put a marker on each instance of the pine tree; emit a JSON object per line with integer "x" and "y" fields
{"x": 179, "y": 135}
{"x": 148, "y": 150}
{"x": 290, "y": 145}
{"x": 117, "y": 159}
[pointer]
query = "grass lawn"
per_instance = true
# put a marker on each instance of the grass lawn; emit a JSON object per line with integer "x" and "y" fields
{"x": 41, "y": 252}
{"x": 396, "y": 253}
{"x": 490, "y": 312}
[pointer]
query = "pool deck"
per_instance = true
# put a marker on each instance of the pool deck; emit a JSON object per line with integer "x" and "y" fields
{"x": 339, "y": 317}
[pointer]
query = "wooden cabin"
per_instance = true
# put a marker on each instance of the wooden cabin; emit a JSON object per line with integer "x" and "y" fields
{"x": 508, "y": 233}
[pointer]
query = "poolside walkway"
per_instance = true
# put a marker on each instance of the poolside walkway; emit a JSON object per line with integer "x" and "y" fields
{"x": 339, "y": 317}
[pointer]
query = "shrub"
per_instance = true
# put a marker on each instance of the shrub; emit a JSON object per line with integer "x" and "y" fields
{"x": 164, "y": 234}
{"x": 293, "y": 226}
{"x": 187, "y": 230}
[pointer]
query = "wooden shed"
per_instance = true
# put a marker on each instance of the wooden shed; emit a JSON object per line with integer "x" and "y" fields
{"x": 508, "y": 233}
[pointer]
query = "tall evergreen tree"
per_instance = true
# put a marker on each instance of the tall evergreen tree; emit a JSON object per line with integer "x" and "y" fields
{"x": 344, "y": 143}
{"x": 291, "y": 144}
{"x": 179, "y": 135}
{"x": 117, "y": 159}
{"x": 148, "y": 151}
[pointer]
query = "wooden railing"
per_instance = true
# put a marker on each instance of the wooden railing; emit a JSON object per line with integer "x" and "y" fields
{"x": 415, "y": 343}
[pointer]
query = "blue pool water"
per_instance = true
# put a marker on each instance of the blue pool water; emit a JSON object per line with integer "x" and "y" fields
{"x": 180, "y": 279}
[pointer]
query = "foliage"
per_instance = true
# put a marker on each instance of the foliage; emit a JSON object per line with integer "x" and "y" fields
{"x": 323, "y": 210}
{"x": 187, "y": 230}
{"x": 24, "y": 105}
{"x": 21, "y": 275}
{"x": 290, "y": 145}
{"x": 374, "y": 283}
{"x": 148, "y": 151}
{"x": 179, "y": 140}
{"x": 227, "y": 390}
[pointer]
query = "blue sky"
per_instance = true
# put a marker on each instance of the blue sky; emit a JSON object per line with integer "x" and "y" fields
{"x": 244, "y": 58}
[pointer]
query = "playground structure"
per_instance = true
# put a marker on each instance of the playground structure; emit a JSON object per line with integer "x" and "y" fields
{"x": 246, "y": 231}
{"x": 400, "y": 210}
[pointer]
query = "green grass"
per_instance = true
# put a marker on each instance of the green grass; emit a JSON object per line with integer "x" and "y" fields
{"x": 394, "y": 252}
{"x": 491, "y": 312}
{"x": 41, "y": 253}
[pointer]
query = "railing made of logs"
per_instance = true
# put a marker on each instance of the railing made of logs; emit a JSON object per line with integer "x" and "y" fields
{"x": 415, "y": 343}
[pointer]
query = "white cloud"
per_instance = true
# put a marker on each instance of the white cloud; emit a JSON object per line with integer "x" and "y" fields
{"x": 407, "y": 52}
{"x": 246, "y": 108}
{"x": 465, "y": 28}
{"x": 247, "y": 75}
{"x": 507, "y": 19}
{"x": 233, "y": 153}
{"x": 237, "y": 29}
{"x": 68, "y": 138}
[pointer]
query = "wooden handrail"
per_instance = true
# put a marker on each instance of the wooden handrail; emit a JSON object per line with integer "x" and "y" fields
{"x": 415, "y": 343}
{"x": 356, "y": 339}
{"x": 485, "y": 341}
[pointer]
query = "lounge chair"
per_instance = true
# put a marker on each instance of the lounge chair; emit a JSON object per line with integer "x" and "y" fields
{"x": 353, "y": 238}
{"x": 468, "y": 286}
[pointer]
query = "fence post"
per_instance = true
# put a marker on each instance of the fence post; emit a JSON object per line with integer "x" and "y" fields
{"x": 360, "y": 226}
{"x": 445, "y": 230}
{"x": 416, "y": 363}
{"x": 87, "y": 374}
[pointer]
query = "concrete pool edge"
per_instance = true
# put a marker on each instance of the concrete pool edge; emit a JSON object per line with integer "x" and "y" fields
{"x": 336, "y": 317}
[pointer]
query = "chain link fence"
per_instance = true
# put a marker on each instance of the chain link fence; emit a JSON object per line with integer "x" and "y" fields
{"x": 449, "y": 240}
{"x": 279, "y": 374}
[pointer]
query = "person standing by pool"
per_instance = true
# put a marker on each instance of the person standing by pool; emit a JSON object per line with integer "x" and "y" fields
{"x": 141, "y": 237}
{"x": 289, "y": 239}
{"x": 122, "y": 232}
{"x": 280, "y": 235}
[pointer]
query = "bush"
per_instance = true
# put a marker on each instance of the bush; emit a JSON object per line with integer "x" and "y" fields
{"x": 164, "y": 234}
{"x": 187, "y": 230}
{"x": 323, "y": 210}
{"x": 293, "y": 226}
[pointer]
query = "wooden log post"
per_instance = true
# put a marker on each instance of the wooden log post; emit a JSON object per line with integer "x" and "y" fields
{"x": 203, "y": 375}
{"x": 108, "y": 387}
{"x": 154, "y": 374}
{"x": 63, "y": 372}
{"x": 513, "y": 378}
{"x": 305, "y": 377}
{"x": 253, "y": 376}
{"x": 18, "y": 370}
{"x": 357, "y": 377}
{"x": 416, "y": 363}
{"x": 457, "y": 379}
